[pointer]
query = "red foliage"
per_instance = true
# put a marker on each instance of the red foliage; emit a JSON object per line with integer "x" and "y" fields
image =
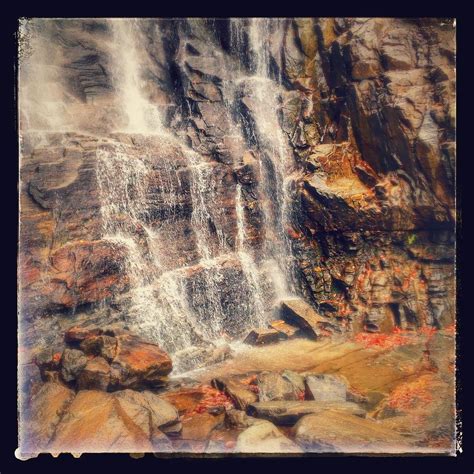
{"x": 384, "y": 341}
{"x": 410, "y": 395}
{"x": 212, "y": 398}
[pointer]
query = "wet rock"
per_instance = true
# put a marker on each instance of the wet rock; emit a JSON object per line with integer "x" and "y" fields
{"x": 77, "y": 334}
{"x": 284, "y": 328}
{"x": 46, "y": 408}
{"x": 87, "y": 272}
{"x": 139, "y": 364}
{"x": 334, "y": 431}
{"x": 298, "y": 312}
{"x": 240, "y": 394}
{"x": 289, "y": 412}
{"x": 95, "y": 375}
{"x": 260, "y": 337}
{"x": 323, "y": 387}
{"x": 72, "y": 363}
{"x": 264, "y": 437}
{"x": 272, "y": 386}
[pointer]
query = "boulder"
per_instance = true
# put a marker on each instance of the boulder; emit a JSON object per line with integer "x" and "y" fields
{"x": 296, "y": 311}
{"x": 72, "y": 363}
{"x": 324, "y": 387}
{"x": 259, "y": 337}
{"x": 336, "y": 431}
{"x": 289, "y": 412}
{"x": 162, "y": 414}
{"x": 124, "y": 421}
{"x": 272, "y": 386}
{"x": 48, "y": 361}
{"x": 240, "y": 395}
{"x": 97, "y": 422}
{"x": 45, "y": 410}
{"x": 139, "y": 364}
{"x": 95, "y": 375}
{"x": 265, "y": 437}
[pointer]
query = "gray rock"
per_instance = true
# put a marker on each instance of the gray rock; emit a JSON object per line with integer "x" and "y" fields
{"x": 265, "y": 437}
{"x": 323, "y": 387}
{"x": 72, "y": 363}
{"x": 272, "y": 386}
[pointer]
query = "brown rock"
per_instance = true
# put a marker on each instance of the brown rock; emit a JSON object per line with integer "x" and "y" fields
{"x": 95, "y": 375}
{"x": 335, "y": 431}
{"x": 200, "y": 426}
{"x": 240, "y": 395}
{"x": 259, "y": 337}
{"x": 284, "y": 328}
{"x": 87, "y": 272}
{"x": 97, "y": 422}
{"x": 272, "y": 386}
{"x": 78, "y": 334}
{"x": 298, "y": 312}
{"x": 139, "y": 364}
{"x": 44, "y": 413}
{"x": 72, "y": 363}
{"x": 105, "y": 346}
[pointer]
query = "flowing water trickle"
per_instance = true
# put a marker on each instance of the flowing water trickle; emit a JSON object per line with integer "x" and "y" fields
{"x": 198, "y": 274}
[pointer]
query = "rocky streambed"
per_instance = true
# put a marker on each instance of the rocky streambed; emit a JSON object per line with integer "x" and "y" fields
{"x": 110, "y": 391}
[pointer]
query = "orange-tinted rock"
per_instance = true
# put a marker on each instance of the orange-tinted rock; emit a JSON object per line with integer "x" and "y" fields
{"x": 139, "y": 363}
{"x": 96, "y": 422}
{"x": 43, "y": 415}
{"x": 259, "y": 337}
{"x": 87, "y": 272}
{"x": 200, "y": 426}
{"x": 78, "y": 334}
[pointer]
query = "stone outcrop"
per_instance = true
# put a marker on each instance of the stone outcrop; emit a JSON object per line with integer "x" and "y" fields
{"x": 107, "y": 359}
{"x": 310, "y": 157}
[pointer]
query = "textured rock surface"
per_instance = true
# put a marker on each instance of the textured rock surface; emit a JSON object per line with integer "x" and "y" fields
{"x": 368, "y": 110}
{"x": 265, "y": 437}
{"x": 320, "y": 149}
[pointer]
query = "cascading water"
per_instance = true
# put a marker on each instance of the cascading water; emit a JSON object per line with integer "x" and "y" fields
{"x": 196, "y": 275}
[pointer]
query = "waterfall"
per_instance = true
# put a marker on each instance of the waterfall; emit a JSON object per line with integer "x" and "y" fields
{"x": 197, "y": 273}
{"x": 142, "y": 117}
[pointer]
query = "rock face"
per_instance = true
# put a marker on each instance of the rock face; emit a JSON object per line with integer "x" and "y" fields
{"x": 366, "y": 109}
{"x": 179, "y": 177}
